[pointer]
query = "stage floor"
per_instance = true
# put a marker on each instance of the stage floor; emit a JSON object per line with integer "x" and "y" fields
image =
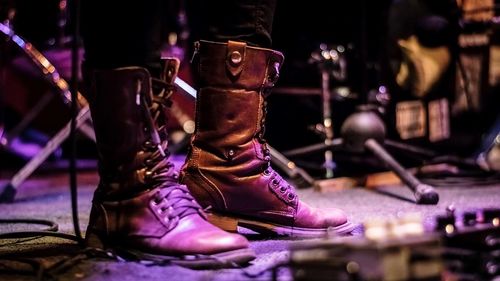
{"x": 47, "y": 197}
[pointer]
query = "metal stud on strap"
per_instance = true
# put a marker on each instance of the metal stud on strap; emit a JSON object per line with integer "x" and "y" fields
{"x": 235, "y": 57}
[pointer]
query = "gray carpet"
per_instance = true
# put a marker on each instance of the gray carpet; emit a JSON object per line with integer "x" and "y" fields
{"x": 47, "y": 197}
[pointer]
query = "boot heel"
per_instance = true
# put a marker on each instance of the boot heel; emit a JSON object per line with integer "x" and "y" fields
{"x": 226, "y": 223}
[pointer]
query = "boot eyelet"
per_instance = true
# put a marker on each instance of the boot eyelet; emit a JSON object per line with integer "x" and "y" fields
{"x": 235, "y": 57}
{"x": 156, "y": 201}
{"x": 267, "y": 172}
{"x": 274, "y": 73}
{"x": 275, "y": 182}
{"x": 148, "y": 145}
{"x": 148, "y": 175}
{"x": 283, "y": 189}
{"x": 291, "y": 196}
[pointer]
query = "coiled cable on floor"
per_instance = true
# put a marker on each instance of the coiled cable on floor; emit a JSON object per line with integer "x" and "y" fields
{"x": 52, "y": 227}
{"x": 51, "y": 230}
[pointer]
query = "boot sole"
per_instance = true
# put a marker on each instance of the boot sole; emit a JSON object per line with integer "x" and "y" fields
{"x": 231, "y": 223}
{"x": 228, "y": 259}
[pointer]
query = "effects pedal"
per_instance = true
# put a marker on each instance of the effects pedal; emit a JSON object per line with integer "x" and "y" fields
{"x": 465, "y": 247}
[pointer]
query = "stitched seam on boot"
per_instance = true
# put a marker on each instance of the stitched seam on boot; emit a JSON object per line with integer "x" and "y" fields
{"x": 101, "y": 220}
{"x": 106, "y": 221}
{"x": 213, "y": 186}
{"x": 260, "y": 114}
{"x": 265, "y": 80}
{"x": 194, "y": 167}
{"x": 256, "y": 144}
{"x": 195, "y": 155}
{"x": 285, "y": 214}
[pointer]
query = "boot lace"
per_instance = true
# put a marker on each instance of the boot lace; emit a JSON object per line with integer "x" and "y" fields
{"x": 159, "y": 166}
{"x": 272, "y": 77}
{"x": 175, "y": 203}
{"x": 277, "y": 184}
{"x": 172, "y": 199}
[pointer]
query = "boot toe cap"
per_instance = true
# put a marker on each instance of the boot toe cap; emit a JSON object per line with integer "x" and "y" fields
{"x": 195, "y": 235}
{"x": 310, "y": 217}
{"x": 334, "y": 217}
{"x": 220, "y": 241}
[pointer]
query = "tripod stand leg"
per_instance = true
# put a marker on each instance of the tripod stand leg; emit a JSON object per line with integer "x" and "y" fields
{"x": 289, "y": 167}
{"x": 28, "y": 118}
{"x": 313, "y": 148}
{"x": 87, "y": 130}
{"x": 424, "y": 194}
{"x": 9, "y": 191}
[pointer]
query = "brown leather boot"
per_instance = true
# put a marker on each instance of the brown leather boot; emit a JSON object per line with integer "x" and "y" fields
{"x": 228, "y": 168}
{"x": 139, "y": 208}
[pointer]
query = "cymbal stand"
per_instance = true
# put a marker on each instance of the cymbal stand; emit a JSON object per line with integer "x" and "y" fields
{"x": 50, "y": 74}
{"x": 331, "y": 62}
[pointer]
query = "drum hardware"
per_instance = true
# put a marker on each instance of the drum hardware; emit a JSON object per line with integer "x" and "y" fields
{"x": 52, "y": 76}
{"x": 365, "y": 131}
{"x": 332, "y": 65}
{"x": 331, "y": 62}
{"x": 362, "y": 131}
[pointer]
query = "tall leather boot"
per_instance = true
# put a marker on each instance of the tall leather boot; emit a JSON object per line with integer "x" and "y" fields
{"x": 139, "y": 209}
{"x": 228, "y": 168}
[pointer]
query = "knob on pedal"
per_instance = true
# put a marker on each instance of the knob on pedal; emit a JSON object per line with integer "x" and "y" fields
{"x": 469, "y": 218}
{"x": 491, "y": 216}
{"x": 445, "y": 223}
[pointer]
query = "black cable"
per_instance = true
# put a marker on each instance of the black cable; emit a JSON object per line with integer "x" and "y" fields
{"x": 52, "y": 226}
{"x": 3, "y": 51}
{"x": 74, "y": 102}
{"x": 51, "y": 230}
{"x": 27, "y": 234}
{"x": 363, "y": 42}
